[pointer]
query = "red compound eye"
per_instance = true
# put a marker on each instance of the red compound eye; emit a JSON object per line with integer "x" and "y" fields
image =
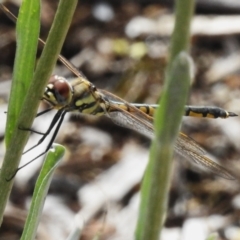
{"x": 61, "y": 89}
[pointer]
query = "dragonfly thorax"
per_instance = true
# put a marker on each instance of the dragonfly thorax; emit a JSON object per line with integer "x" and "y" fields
{"x": 58, "y": 92}
{"x": 86, "y": 98}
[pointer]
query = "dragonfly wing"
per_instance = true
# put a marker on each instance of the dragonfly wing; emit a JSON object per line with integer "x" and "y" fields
{"x": 128, "y": 116}
{"x": 205, "y": 163}
{"x": 190, "y": 150}
{"x": 130, "y": 121}
{"x": 185, "y": 142}
{"x": 184, "y": 145}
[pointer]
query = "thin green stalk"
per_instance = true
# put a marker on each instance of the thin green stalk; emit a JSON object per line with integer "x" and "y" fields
{"x": 28, "y": 112}
{"x": 40, "y": 191}
{"x": 181, "y": 33}
{"x": 155, "y": 186}
{"x": 27, "y": 37}
{"x": 27, "y": 31}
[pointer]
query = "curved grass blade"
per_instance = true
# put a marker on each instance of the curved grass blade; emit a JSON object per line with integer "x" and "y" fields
{"x": 27, "y": 36}
{"x": 157, "y": 176}
{"x": 42, "y": 185}
{"x": 156, "y": 183}
{"x": 27, "y": 31}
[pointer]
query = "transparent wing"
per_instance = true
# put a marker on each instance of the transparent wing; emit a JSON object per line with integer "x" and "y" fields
{"x": 189, "y": 149}
{"x": 130, "y": 121}
{"x": 129, "y": 116}
{"x": 184, "y": 145}
{"x": 185, "y": 142}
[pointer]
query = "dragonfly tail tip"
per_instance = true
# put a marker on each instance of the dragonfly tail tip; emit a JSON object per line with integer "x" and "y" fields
{"x": 232, "y": 114}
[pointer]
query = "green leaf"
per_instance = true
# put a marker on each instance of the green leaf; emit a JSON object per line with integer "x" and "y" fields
{"x": 27, "y": 31}
{"x": 27, "y": 39}
{"x": 40, "y": 192}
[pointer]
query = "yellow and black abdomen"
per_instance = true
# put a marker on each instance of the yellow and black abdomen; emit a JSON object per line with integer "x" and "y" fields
{"x": 192, "y": 111}
{"x": 208, "y": 112}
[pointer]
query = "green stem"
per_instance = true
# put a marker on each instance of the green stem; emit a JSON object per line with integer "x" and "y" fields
{"x": 181, "y": 34}
{"x": 156, "y": 183}
{"x": 27, "y": 38}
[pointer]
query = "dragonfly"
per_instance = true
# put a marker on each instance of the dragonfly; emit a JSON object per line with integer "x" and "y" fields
{"x": 81, "y": 96}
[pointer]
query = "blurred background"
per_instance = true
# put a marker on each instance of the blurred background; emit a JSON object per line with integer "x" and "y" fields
{"x": 122, "y": 46}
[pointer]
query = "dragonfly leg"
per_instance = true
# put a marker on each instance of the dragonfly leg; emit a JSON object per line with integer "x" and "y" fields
{"x": 30, "y": 130}
{"x": 60, "y": 118}
{"x": 45, "y": 111}
{"x": 57, "y": 116}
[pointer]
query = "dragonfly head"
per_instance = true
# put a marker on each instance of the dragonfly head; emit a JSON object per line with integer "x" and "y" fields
{"x": 58, "y": 92}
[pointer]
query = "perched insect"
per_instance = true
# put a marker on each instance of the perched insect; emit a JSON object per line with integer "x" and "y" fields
{"x": 81, "y": 96}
